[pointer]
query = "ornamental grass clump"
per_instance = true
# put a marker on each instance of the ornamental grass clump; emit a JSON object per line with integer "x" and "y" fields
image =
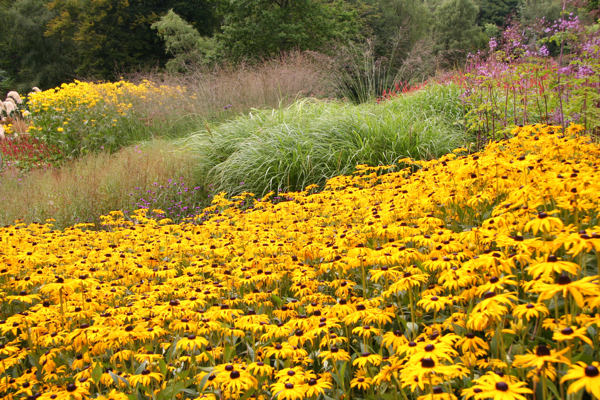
{"x": 468, "y": 276}
{"x": 310, "y": 141}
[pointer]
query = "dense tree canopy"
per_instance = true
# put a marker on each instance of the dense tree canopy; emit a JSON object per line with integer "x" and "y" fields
{"x": 46, "y": 42}
{"x": 261, "y": 28}
{"x": 455, "y": 27}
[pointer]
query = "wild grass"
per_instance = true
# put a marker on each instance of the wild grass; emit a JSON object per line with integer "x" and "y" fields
{"x": 225, "y": 92}
{"x": 155, "y": 175}
{"x": 310, "y": 141}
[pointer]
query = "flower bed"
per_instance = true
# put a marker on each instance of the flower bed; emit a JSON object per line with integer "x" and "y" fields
{"x": 470, "y": 275}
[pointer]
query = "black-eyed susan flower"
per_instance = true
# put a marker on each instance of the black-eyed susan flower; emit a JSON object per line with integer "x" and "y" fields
{"x": 335, "y": 354}
{"x": 361, "y": 381}
{"x": 315, "y": 387}
{"x": 552, "y": 265}
{"x": 294, "y": 375}
{"x": 563, "y": 284}
{"x": 585, "y": 376}
{"x": 260, "y": 369}
{"x": 571, "y": 333}
{"x": 367, "y": 358}
{"x": 471, "y": 343}
{"x": 288, "y": 391}
{"x": 395, "y": 339}
{"x": 433, "y": 302}
{"x": 495, "y": 387}
{"x": 145, "y": 378}
{"x": 541, "y": 357}
{"x": 530, "y": 310}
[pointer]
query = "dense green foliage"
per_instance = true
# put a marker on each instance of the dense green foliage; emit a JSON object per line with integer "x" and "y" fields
{"x": 311, "y": 141}
{"x": 263, "y": 28}
{"x": 455, "y": 27}
{"x": 47, "y": 42}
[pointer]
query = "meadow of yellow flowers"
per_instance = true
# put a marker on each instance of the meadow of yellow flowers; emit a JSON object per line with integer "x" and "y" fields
{"x": 472, "y": 276}
{"x": 82, "y": 117}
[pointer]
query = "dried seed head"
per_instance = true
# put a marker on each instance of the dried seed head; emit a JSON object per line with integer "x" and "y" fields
{"x": 14, "y": 96}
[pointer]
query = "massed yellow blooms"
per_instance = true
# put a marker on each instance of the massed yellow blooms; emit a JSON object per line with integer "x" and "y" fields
{"x": 473, "y": 275}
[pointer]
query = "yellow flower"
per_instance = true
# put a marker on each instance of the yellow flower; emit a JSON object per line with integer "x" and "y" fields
{"x": 587, "y": 376}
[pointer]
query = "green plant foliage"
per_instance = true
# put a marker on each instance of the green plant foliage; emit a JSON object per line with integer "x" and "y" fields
{"x": 29, "y": 58}
{"x": 361, "y": 75}
{"x": 184, "y": 42}
{"x": 311, "y": 141}
{"x": 255, "y": 29}
{"x": 399, "y": 23}
{"x": 495, "y": 11}
{"x": 455, "y": 28}
{"x": 116, "y": 35}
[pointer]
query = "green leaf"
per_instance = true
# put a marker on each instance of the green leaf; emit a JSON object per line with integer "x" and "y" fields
{"x": 116, "y": 378}
{"x": 97, "y": 372}
{"x": 162, "y": 365}
{"x": 276, "y": 300}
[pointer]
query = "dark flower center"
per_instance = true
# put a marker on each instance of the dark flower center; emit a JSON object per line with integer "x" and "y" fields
{"x": 429, "y": 347}
{"x": 563, "y": 280}
{"x": 437, "y": 390}
{"x": 567, "y": 331}
{"x": 71, "y": 387}
{"x": 591, "y": 371}
{"x": 427, "y": 363}
{"x": 542, "y": 351}
{"x": 291, "y": 373}
{"x": 234, "y": 374}
{"x": 552, "y": 258}
{"x": 229, "y": 368}
{"x": 312, "y": 382}
{"x": 361, "y": 379}
{"x": 289, "y": 385}
{"x": 502, "y": 386}
{"x": 145, "y": 372}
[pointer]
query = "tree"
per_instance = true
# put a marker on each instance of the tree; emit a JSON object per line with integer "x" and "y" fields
{"x": 455, "y": 28}
{"x": 116, "y": 35}
{"x": 255, "y": 29}
{"x": 29, "y": 57}
{"x": 399, "y": 23}
{"x": 184, "y": 42}
{"x": 496, "y": 11}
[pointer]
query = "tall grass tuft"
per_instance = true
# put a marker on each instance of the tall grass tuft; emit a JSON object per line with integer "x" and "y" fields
{"x": 224, "y": 92}
{"x": 288, "y": 148}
